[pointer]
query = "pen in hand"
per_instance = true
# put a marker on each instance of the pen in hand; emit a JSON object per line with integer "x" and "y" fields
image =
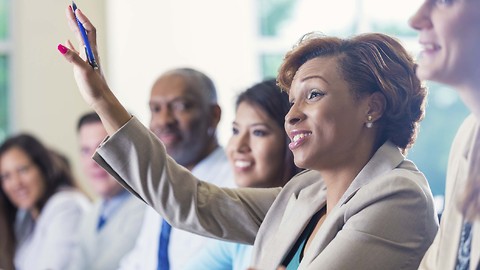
{"x": 83, "y": 32}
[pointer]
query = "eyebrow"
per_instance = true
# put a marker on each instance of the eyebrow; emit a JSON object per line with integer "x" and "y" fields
{"x": 314, "y": 77}
{"x": 254, "y": 124}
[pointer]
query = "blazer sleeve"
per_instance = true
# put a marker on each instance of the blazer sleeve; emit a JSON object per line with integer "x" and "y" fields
{"x": 138, "y": 160}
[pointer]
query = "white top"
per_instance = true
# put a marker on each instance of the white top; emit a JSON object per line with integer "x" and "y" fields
{"x": 104, "y": 249}
{"x": 48, "y": 243}
{"x": 182, "y": 245}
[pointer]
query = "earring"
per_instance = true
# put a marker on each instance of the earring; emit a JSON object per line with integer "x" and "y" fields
{"x": 369, "y": 124}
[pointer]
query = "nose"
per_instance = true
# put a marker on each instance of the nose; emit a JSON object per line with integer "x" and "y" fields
{"x": 163, "y": 118}
{"x": 421, "y": 19}
{"x": 294, "y": 116}
{"x": 241, "y": 143}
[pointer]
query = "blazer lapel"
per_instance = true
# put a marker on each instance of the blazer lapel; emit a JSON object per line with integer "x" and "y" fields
{"x": 297, "y": 215}
{"x": 375, "y": 167}
{"x": 335, "y": 220}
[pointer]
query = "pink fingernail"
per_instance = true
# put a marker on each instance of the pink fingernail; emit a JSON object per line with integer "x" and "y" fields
{"x": 62, "y": 49}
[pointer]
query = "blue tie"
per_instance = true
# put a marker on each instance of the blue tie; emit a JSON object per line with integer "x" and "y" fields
{"x": 101, "y": 222}
{"x": 163, "y": 263}
{"x": 464, "y": 248}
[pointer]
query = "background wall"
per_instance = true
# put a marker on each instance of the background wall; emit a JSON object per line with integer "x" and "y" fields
{"x": 149, "y": 37}
{"x": 45, "y": 100}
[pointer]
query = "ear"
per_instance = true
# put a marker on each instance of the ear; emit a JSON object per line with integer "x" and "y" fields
{"x": 376, "y": 106}
{"x": 216, "y": 115}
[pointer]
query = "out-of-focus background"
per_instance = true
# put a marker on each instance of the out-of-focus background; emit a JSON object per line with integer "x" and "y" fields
{"x": 237, "y": 43}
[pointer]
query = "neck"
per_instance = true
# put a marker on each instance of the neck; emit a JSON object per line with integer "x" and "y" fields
{"x": 338, "y": 179}
{"x": 470, "y": 94}
{"x": 337, "y": 183}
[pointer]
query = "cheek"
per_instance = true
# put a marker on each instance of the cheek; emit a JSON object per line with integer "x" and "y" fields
{"x": 6, "y": 188}
{"x": 230, "y": 149}
{"x": 192, "y": 123}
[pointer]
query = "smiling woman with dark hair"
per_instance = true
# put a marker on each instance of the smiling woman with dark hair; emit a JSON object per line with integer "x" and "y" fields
{"x": 355, "y": 108}
{"x": 40, "y": 206}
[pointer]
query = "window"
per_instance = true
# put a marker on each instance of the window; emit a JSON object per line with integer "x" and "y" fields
{"x": 4, "y": 68}
{"x": 282, "y": 22}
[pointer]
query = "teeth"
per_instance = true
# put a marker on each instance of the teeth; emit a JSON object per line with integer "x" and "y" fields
{"x": 242, "y": 163}
{"x": 430, "y": 46}
{"x": 300, "y": 136}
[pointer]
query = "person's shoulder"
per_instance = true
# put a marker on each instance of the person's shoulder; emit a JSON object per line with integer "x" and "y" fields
{"x": 68, "y": 199}
{"x": 69, "y": 195}
{"x": 306, "y": 183}
{"x": 465, "y": 133}
{"x": 305, "y": 178}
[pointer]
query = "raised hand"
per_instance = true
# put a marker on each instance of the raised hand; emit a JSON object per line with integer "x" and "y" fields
{"x": 91, "y": 82}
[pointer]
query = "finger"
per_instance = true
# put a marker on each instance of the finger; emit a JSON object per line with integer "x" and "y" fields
{"x": 73, "y": 57}
{"x": 91, "y": 30}
{"x": 70, "y": 46}
{"x": 82, "y": 53}
{"x": 72, "y": 23}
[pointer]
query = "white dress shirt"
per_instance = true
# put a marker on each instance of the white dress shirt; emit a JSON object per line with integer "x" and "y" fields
{"x": 183, "y": 245}
{"x": 48, "y": 243}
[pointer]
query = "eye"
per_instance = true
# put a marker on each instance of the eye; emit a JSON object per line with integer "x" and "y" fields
{"x": 234, "y": 130}
{"x": 259, "y": 132}
{"x": 154, "y": 109}
{"x": 444, "y": 2}
{"x": 315, "y": 93}
{"x": 24, "y": 169}
{"x": 179, "y": 106}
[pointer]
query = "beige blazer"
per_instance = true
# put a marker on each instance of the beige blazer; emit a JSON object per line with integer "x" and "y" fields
{"x": 385, "y": 220}
{"x": 443, "y": 252}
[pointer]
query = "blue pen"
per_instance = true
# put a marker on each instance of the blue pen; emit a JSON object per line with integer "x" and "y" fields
{"x": 83, "y": 32}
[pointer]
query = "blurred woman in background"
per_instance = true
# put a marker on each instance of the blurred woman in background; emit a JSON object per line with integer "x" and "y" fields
{"x": 41, "y": 207}
{"x": 450, "y": 35}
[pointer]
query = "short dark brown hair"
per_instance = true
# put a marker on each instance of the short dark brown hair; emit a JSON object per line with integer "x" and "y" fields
{"x": 369, "y": 63}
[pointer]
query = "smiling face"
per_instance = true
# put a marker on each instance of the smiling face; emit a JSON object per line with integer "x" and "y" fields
{"x": 256, "y": 149}
{"x": 21, "y": 179}
{"x": 90, "y": 136}
{"x": 181, "y": 118}
{"x": 450, "y": 35}
{"x": 325, "y": 122}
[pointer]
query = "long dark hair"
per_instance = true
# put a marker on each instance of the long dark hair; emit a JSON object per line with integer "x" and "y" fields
{"x": 268, "y": 97}
{"x": 7, "y": 234}
{"x": 56, "y": 174}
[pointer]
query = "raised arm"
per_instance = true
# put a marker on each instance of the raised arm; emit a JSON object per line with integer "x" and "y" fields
{"x": 138, "y": 160}
{"x": 91, "y": 82}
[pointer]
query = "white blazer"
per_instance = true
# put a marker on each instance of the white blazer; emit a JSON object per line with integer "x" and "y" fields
{"x": 443, "y": 252}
